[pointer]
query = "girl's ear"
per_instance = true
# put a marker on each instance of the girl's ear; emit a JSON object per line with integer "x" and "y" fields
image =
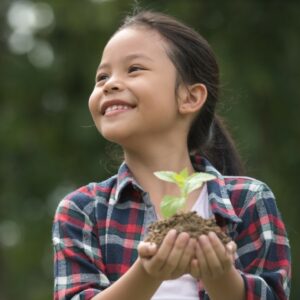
{"x": 192, "y": 98}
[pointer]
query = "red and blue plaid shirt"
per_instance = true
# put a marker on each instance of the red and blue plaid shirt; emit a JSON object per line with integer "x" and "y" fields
{"x": 98, "y": 227}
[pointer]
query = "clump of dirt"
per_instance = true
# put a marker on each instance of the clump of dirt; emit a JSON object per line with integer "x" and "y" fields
{"x": 189, "y": 222}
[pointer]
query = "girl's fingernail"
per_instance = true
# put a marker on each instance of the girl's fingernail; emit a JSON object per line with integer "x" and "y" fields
{"x": 202, "y": 237}
{"x": 229, "y": 248}
{"x": 211, "y": 234}
{"x": 152, "y": 246}
{"x": 172, "y": 232}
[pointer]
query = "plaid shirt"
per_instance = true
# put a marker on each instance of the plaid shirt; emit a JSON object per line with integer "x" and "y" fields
{"x": 98, "y": 227}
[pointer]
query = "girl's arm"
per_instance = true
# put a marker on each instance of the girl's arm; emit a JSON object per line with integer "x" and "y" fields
{"x": 136, "y": 283}
{"x": 230, "y": 284}
{"x": 263, "y": 255}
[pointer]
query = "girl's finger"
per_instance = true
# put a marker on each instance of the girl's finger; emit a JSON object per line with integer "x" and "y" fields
{"x": 194, "y": 269}
{"x": 185, "y": 258}
{"x": 176, "y": 253}
{"x": 212, "y": 259}
{"x": 159, "y": 260}
{"x": 202, "y": 262}
{"x": 231, "y": 248}
{"x": 146, "y": 250}
{"x": 223, "y": 253}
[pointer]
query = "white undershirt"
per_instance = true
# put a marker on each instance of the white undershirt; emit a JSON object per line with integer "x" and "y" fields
{"x": 185, "y": 287}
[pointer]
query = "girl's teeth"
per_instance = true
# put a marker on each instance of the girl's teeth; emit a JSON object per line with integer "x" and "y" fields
{"x": 117, "y": 107}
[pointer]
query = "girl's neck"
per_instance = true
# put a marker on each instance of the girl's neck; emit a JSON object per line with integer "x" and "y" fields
{"x": 143, "y": 164}
{"x": 158, "y": 159}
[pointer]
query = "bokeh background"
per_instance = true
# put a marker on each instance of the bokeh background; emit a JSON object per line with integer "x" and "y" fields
{"x": 49, "y": 51}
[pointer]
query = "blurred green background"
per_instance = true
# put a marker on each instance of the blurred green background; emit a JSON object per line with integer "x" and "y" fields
{"x": 49, "y": 52}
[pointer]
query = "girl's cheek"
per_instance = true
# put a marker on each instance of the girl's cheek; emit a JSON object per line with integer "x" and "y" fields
{"x": 93, "y": 102}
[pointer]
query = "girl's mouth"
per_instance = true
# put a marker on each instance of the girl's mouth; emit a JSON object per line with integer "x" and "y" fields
{"x": 113, "y": 106}
{"x": 115, "y": 109}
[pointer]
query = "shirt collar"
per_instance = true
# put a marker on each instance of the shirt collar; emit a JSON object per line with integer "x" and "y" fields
{"x": 217, "y": 192}
{"x": 124, "y": 179}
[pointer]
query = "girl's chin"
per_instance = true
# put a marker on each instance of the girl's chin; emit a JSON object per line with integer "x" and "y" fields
{"x": 126, "y": 142}
{"x": 115, "y": 137}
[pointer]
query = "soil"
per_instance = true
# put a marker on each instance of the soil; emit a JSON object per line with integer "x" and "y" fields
{"x": 189, "y": 222}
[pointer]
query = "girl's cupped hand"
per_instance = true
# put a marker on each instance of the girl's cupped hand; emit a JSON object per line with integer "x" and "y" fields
{"x": 172, "y": 259}
{"x": 212, "y": 260}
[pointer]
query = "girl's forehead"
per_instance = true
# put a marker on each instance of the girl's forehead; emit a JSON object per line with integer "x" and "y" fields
{"x": 131, "y": 40}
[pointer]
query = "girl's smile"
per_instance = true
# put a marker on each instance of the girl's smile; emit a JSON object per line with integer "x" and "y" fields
{"x": 115, "y": 106}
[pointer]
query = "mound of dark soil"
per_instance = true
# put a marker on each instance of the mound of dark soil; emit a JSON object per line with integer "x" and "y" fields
{"x": 184, "y": 222}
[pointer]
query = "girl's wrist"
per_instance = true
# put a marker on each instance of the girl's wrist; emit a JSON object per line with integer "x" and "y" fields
{"x": 229, "y": 283}
{"x": 144, "y": 276}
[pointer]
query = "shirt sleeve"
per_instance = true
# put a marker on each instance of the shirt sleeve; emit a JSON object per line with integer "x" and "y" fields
{"x": 78, "y": 265}
{"x": 263, "y": 249}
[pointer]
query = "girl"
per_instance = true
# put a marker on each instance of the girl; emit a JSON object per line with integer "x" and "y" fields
{"x": 155, "y": 95}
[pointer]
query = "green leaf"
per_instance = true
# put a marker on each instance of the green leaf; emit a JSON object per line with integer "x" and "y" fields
{"x": 196, "y": 180}
{"x": 166, "y": 176}
{"x": 201, "y": 176}
{"x": 191, "y": 186}
{"x": 180, "y": 180}
{"x": 170, "y": 205}
{"x": 184, "y": 173}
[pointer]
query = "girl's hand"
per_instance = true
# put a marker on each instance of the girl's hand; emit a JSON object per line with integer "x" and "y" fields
{"x": 172, "y": 259}
{"x": 213, "y": 260}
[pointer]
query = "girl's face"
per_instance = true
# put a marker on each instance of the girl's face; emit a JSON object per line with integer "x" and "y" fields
{"x": 134, "y": 95}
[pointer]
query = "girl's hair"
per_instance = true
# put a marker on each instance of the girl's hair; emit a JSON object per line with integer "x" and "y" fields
{"x": 195, "y": 62}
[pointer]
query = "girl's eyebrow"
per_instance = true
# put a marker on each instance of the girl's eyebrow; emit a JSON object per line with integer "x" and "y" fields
{"x": 127, "y": 58}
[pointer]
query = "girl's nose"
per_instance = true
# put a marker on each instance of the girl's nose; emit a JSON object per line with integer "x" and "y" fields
{"x": 112, "y": 85}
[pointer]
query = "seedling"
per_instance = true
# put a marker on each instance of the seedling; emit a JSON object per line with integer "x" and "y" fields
{"x": 186, "y": 183}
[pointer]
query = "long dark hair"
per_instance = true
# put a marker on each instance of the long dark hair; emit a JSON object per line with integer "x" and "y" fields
{"x": 195, "y": 63}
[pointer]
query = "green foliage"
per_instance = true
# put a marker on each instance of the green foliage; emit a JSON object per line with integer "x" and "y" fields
{"x": 186, "y": 184}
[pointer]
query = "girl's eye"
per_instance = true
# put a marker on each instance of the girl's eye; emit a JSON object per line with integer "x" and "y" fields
{"x": 135, "y": 68}
{"x": 101, "y": 77}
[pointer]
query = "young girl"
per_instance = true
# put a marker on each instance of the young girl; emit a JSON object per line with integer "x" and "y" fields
{"x": 155, "y": 95}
